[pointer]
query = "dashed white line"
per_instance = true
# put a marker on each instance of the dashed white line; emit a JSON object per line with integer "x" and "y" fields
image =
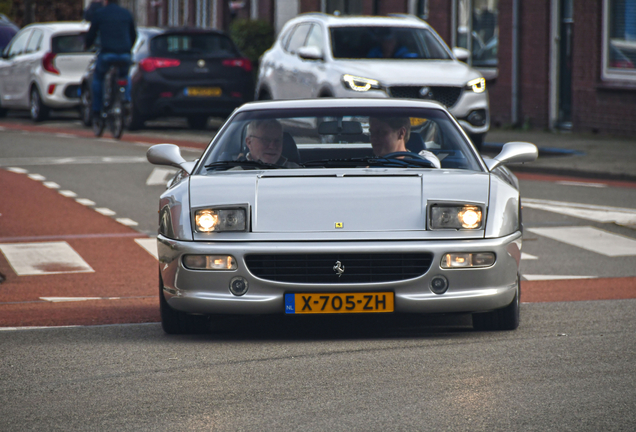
{"x": 105, "y": 211}
{"x": 530, "y": 277}
{"x": 68, "y": 193}
{"x": 51, "y": 185}
{"x": 149, "y": 244}
{"x": 126, "y": 221}
{"x": 583, "y": 184}
{"x": 37, "y": 177}
{"x": 526, "y": 256}
{"x": 85, "y": 201}
{"x": 17, "y": 170}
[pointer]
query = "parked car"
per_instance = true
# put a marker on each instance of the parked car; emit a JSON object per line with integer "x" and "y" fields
{"x": 41, "y": 68}
{"x": 186, "y": 72}
{"x": 319, "y": 55}
{"x": 8, "y": 29}
{"x": 332, "y": 227}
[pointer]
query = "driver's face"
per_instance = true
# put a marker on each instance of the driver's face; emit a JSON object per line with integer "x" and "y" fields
{"x": 383, "y": 139}
{"x": 266, "y": 144}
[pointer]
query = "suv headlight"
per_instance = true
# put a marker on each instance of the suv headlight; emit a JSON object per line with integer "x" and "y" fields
{"x": 478, "y": 85}
{"x": 360, "y": 84}
{"x": 455, "y": 216}
{"x": 220, "y": 219}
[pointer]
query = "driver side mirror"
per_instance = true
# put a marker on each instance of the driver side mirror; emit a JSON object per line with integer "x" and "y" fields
{"x": 310, "y": 53}
{"x": 461, "y": 54}
{"x": 513, "y": 152}
{"x": 170, "y": 155}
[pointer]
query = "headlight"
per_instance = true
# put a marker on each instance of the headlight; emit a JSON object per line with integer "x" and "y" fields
{"x": 468, "y": 260}
{"x": 478, "y": 85}
{"x": 444, "y": 216}
{"x": 215, "y": 220}
{"x": 360, "y": 84}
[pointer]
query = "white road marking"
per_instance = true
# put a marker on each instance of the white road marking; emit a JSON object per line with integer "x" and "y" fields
{"x": 70, "y": 299}
{"x": 51, "y": 185}
{"x": 590, "y": 238}
{"x": 37, "y": 177}
{"x": 127, "y": 222}
{"x": 160, "y": 176}
{"x": 584, "y": 184}
{"x": 149, "y": 244}
{"x": 77, "y": 160}
{"x": 526, "y": 256}
{"x": 44, "y": 258}
{"x": 105, "y": 211}
{"x": 529, "y": 277}
{"x": 68, "y": 193}
{"x": 85, "y": 201}
{"x": 63, "y": 135}
{"x": 603, "y": 214}
{"x": 17, "y": 170}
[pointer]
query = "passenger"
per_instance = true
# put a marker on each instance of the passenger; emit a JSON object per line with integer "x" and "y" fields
{"x": 389, "y": 48}
{"x": 390, "y": 135}
{"x": 264, "y": 141}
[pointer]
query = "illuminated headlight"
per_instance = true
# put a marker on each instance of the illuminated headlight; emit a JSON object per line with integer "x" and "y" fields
{"x": 478, "y": 85}
{"x": 215, "y": 220}
{"x": 455, "y": 217}
{"x": 209, "y": 262}
{"x": 360, "y": 84}
{"x": 468, "y": 260}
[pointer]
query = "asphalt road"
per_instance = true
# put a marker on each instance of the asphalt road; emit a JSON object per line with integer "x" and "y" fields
{"x": 570, "y": 365}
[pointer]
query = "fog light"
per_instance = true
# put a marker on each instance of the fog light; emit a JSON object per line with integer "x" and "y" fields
{"x": 477, "y": 118}
{"x": 238, "y": 285}
{"x": 439, "y": 284}
{"x": 468, "y": 260}
{"x": 209, "y": 262}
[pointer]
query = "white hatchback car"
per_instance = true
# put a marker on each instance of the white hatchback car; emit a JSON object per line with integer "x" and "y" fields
{"x": 42, "y": 67}
{"x": 320, "y": 55}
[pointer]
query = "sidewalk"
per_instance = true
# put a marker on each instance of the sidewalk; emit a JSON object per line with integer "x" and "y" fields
{"x": 572, "y": 154}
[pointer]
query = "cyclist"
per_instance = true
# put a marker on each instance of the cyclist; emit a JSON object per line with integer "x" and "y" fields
{"x": 116, "y": 28}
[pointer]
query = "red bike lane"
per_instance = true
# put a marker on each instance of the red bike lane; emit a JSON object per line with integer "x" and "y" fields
{"x": 124, "y": 275}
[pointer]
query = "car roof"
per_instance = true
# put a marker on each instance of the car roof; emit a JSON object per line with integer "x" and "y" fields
{"x": 340, "y": 103}
{"x": 61, "y": 27}
{"x": 398, "y": 20}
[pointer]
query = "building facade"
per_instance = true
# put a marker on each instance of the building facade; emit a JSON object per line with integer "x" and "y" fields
{"x": 557, "y": 64}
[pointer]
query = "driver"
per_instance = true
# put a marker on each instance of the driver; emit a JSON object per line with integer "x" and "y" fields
{"x": 390, "y": 135}
{"x": 264, "y": 141}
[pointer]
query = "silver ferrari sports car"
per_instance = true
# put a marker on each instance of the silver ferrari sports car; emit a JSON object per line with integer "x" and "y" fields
{"x": 340, "y": 206}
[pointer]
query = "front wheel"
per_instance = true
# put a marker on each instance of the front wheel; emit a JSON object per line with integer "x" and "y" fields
{"x": 116, "y": 118}
{"x": 37, "y": 109}
{"x": 98, "y": 125}
{"x": 175, "y": 322}
{"x": 506, "y": 318}
{"x": 86, "y": 106}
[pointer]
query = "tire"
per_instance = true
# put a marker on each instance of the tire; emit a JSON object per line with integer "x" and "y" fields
{"x": 116, "y": 117}
{"x": 506, "y": 318}
{"x": 98, "y": 125}
{"x": 38, "y": 111}
{"x": 198, "y": 122}
{"x": 175, "y": 322}
{"x": 86, "y": 107}
{"x": 478, "y": 140}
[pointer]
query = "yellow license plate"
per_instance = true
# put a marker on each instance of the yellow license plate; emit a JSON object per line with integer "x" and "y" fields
{"x": 329, "y": 303}
{"x": 203, "y": 91}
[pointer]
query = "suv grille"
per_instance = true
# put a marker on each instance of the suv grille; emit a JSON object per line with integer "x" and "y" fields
{"x": 358, "y": 267}
{"x": 446, "y": 95}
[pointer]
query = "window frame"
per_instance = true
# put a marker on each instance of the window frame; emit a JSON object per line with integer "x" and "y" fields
{"x": 607, "y": 73}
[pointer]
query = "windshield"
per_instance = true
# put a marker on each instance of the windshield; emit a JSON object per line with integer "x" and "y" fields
{"x": 386, "y": 42}
{"x": 211, "y": 44}
{"x": 340, "y": 138}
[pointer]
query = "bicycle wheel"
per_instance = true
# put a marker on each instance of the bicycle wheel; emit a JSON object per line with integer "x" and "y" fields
{"x": 98, "y": 125}
{"x": 116, "y": 116}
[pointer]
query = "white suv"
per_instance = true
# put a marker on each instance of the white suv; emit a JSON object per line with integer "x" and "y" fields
{"x": 319, "y": 55}
{"x": 42, "y": 67}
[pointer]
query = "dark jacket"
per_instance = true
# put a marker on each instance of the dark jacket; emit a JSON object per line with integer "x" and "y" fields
{"x": 116, "y": 28}
{"x": 90, "y": 10}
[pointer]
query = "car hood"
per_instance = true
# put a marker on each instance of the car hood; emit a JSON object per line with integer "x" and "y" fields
{"x": 411, "y": 72}
{"x": 372, "y": 200}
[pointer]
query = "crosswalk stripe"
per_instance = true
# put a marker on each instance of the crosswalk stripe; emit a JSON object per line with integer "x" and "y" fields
{"x": 590, "y": 238}
{"x": 44, "y": 258}
{"x": 603, "y": 214}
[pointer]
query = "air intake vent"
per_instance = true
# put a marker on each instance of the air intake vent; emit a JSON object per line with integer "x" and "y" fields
{"x": 445, "y": 95}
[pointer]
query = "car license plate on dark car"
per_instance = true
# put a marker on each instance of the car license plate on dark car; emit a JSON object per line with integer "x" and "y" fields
{"x": 203, "y": 91}
{"x": 329, "y": 303}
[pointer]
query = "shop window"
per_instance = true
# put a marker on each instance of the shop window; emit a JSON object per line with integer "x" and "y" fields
{"x": 479, "y": 19}
{"x": 619, "y": 40}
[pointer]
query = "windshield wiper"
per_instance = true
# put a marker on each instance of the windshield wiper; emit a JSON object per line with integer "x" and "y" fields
{"x": 245, "y": 164}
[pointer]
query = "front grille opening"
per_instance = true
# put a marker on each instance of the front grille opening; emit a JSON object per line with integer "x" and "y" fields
{"x": 319, "y": 268}
{"x": 445, "y": 95}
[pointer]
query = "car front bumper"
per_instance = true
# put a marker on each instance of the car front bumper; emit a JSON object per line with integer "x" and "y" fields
{"x": 470, "y": 290}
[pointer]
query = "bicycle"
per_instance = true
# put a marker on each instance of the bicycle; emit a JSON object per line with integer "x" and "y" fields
{"x": 113, "y": 106}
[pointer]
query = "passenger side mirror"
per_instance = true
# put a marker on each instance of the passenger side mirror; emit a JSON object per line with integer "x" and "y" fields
{"x": 513, "y": 152}
{"x": 168, "y": 154}
{"x": 310, "y": 53}
{"x": 461, "y": 54}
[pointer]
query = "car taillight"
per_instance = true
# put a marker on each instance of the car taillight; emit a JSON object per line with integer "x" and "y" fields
{"x": 151, "y": 63}
{"x": 47, "y": 63}
{"x": 122, "y": 82}
{"x": 239, "y": 62}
